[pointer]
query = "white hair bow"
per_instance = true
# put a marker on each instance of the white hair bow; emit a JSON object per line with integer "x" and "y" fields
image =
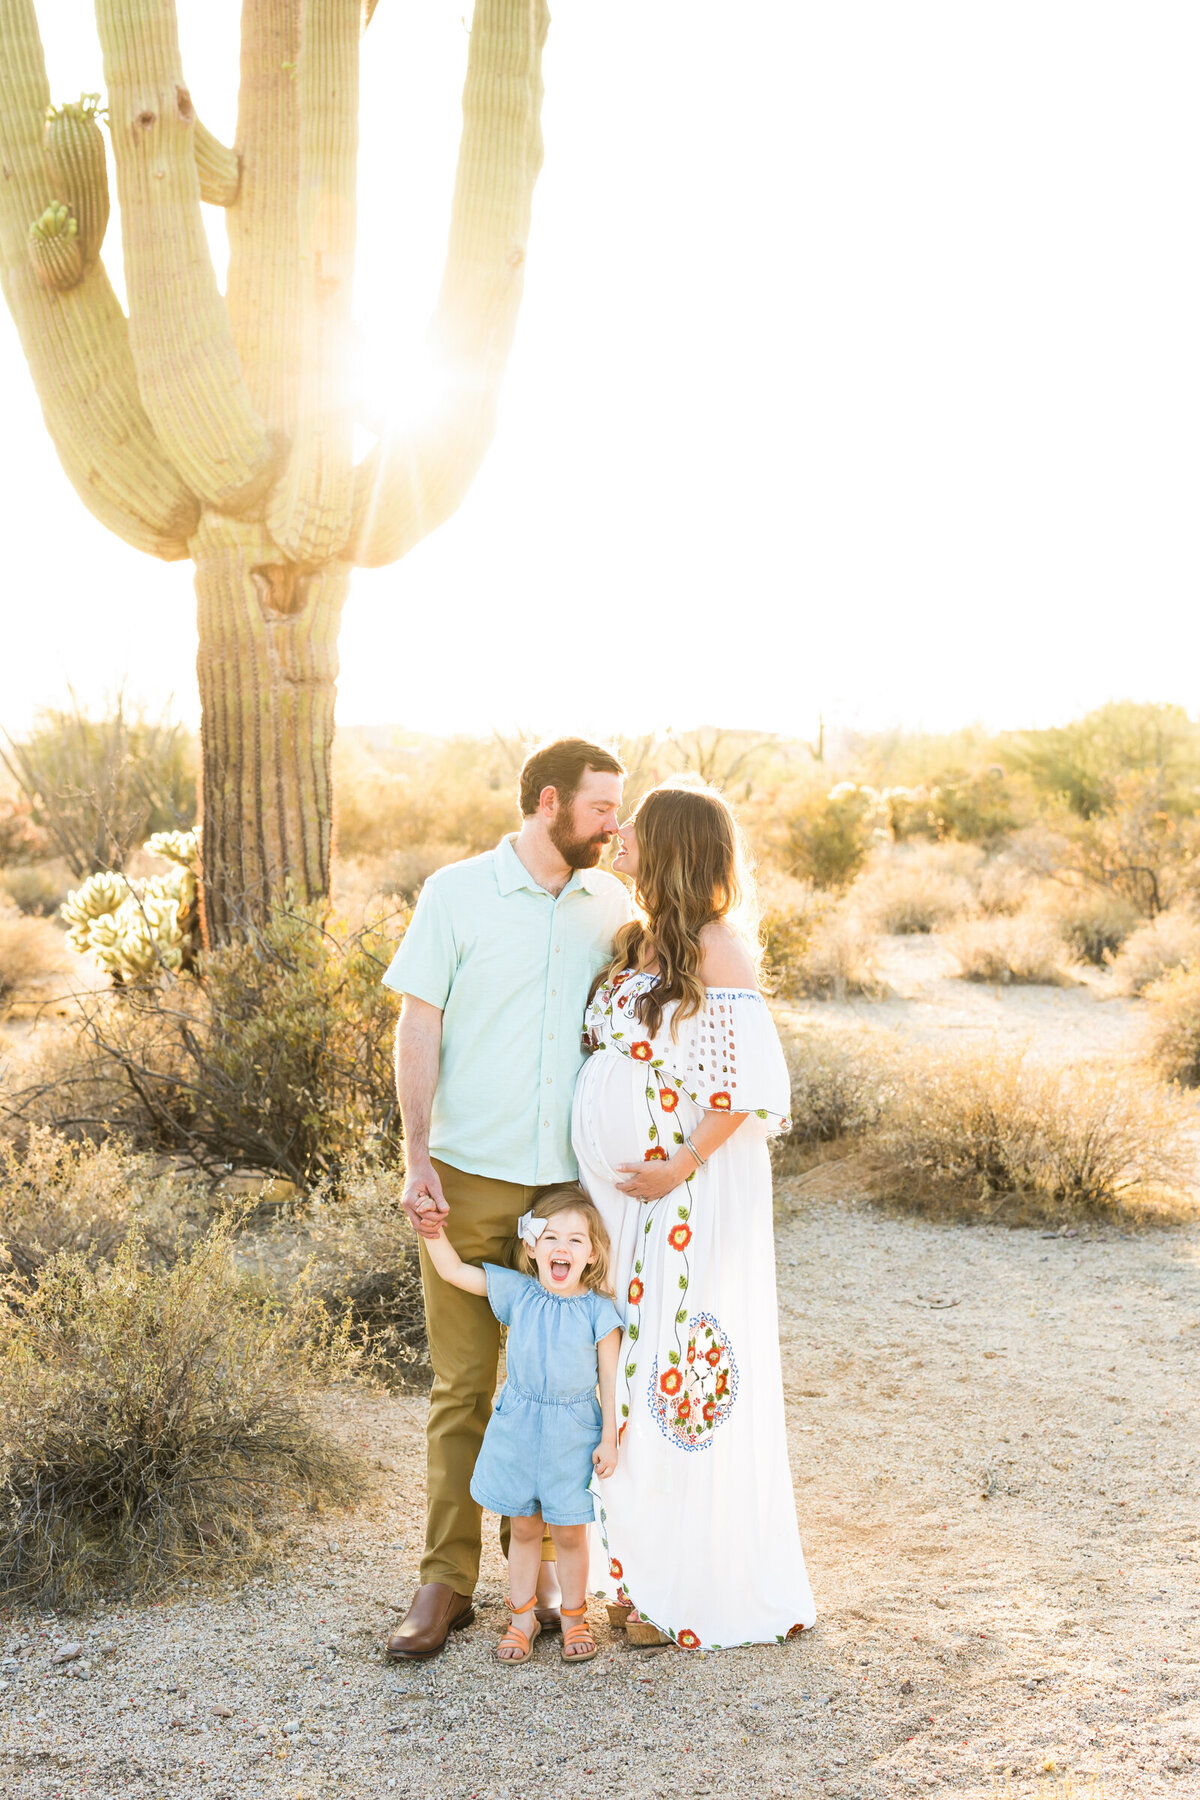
{"x": 529, "y": 1229}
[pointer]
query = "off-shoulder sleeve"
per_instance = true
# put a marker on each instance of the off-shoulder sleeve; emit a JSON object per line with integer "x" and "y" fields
{"x": 503, "y": 1288}
{"x": 734, "y": 1060}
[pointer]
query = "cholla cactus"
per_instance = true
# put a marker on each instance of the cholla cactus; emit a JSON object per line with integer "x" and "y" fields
{"x": 137, "y": 930}
{"x": 221, "y": 427}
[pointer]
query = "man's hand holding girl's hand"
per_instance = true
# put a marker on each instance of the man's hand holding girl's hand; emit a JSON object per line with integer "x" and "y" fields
{"x": 424, "y": 1201}
{"x": 604, "y": 1456}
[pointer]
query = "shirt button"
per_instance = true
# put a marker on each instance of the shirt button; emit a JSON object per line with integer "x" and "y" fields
{"x": 549, "y": 1079}
{"x": 551, "y": 1037}
{"x": 545, "y": 1124}
{"x": 553, "y": 993}
{"x": 558, "y": 949}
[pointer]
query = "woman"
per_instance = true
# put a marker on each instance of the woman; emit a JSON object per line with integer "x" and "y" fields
{"x": 671, "y": 1121}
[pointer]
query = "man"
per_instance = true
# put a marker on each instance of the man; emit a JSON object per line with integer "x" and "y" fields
{"x": 495, "y": 970}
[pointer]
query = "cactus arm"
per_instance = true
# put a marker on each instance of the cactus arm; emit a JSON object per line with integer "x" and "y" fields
{"x": 412, "y": 483}
{"x": 309, "y": 513}
{"x": 188, "y": 372}
{"x": 75, "y": 151}
{"x": 217, "y": 168}
{"x": 76, "y": 343}
{"x": 262, "y": 292}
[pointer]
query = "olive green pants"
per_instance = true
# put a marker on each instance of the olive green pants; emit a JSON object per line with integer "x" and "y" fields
{"x": 464, "y": 1348}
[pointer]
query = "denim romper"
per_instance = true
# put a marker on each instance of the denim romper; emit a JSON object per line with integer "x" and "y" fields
{"x": 537, "y": 1450}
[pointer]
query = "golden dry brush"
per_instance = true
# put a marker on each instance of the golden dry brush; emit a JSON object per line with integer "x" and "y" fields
{"x": 221, "y": 428}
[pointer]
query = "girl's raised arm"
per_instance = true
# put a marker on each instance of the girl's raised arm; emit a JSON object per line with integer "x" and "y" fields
{"x": 451, "y": 1267}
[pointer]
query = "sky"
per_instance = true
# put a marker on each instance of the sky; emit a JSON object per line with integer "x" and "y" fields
{"x": 858, "y": 374}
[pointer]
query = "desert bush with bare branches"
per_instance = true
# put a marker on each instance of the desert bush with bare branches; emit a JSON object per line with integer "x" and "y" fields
{"x": 1174, "y": 1003}
{"x": 992, "y": 1135}
{"x": 275, "y": 1054}
{"x": 1093, "y": 922}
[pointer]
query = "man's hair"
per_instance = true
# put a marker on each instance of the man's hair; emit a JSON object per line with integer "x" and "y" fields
{"x": 562, "y": 765}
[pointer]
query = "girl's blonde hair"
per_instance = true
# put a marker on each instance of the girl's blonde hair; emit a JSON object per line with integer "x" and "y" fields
{"x": 570, "y": 1197}
{"x": 693, "y": 867}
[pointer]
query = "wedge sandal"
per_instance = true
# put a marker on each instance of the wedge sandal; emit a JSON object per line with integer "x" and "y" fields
{"x": 577, "y": 1634}
{"x": 518, "y": 1640}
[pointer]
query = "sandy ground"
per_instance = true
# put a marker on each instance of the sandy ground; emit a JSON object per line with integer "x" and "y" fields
{"x": 994, "y": 1437}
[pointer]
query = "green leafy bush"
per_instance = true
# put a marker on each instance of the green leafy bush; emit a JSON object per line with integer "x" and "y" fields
{"x": 827, "y": 838}
{"x": 152, "y": 1423}
{"x": 275, "y": 1054}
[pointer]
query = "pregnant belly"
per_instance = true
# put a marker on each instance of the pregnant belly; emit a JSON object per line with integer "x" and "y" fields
{"x": 614, "y": 1118}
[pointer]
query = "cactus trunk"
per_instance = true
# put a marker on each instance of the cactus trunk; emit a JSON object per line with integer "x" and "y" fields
{"x": 267, "y": 668}
{"x": 221, "y": 426}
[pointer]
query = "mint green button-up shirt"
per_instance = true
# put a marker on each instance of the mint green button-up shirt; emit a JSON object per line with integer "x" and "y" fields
{"x": 509, "y": 965}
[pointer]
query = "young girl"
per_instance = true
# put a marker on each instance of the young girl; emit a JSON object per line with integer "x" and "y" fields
{"x": 547, "y": 1431}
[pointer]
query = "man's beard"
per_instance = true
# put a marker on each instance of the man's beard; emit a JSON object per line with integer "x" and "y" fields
{"x": 577, "y": 852}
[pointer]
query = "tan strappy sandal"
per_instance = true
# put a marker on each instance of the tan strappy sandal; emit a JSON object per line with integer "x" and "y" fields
{"x": 576, "y": 1634}
{"x": 518, "y": 1640}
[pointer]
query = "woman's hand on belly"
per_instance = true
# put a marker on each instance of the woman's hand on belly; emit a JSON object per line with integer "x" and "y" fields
{"x": 652, "y": 1180}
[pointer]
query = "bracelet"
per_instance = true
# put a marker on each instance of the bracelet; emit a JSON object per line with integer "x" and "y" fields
{"x": 701, "y": 1161}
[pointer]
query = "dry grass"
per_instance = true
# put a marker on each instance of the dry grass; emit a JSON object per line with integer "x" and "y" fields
{"x": 1171, "y": 941}
{"x": 354, "y": 1249}
{"x": 996, "y": 1136}
{"x": 1002, "y": 886}
{"x": 842, "y": 1083}
{"x": 816, "y": 946}
{"x": 153, "y": 1422}
{"x": 85, "y": 1199}
{"x": 31, "y": 955}
{"x": 914, "y": 890}
{"x": 1025, "y": 949}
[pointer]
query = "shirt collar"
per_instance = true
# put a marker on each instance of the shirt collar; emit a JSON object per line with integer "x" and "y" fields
{"x": 511, "y": 874}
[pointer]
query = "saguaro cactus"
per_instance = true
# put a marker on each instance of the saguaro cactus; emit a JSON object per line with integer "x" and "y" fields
{"x": 221, "y": 428}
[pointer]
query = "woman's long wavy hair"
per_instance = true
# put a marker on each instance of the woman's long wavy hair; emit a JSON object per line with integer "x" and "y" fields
{"x": 693, "y": 867}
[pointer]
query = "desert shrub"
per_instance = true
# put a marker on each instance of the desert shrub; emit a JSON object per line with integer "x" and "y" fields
{"x": 1083, "y": 764}
{"x": 911, "y": 891}
{"x": 152, "y": 1421}
{"x": 1174, "y": 1003}
{"x": 31, "y": 953}
{"x": 362, "y": 881}
{"x": 976, "y": 807}
{"x": 86, "y": 1199}
{"x": 462, "y": 791}
{"x": 841, "y": 1083}
{"x": 840, "y": 961}
{"x": 789, "y": 913}
{"x": 1022, "y": 949}
{"x": 984, "y": 1135}
{"x": 36, "y": 888}
{"x": 1142, "y": 848}
{"x": 1092, "y": 921}
{"x": 828, "y": 836}
{"x": 352, "y": 1245}
{"x": 138, "y": 930}
{"x": 98, "y": 787}
{"x": 1002, "y": 886}
{"x": 275, "y": 1054}
{"x": 1171, "y": 941}
{"x": 21, "y": 839}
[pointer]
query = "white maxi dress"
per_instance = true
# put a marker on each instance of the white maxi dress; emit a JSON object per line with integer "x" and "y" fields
{"x": 697, "y": 1526}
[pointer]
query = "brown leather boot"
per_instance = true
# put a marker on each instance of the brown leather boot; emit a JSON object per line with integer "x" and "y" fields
{"x": 435, "y": 1612}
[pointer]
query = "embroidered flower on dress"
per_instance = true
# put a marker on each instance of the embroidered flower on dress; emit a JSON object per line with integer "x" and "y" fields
{"x": 641, "y": 1051}
{"x": 710, "y": 1411}
{"x": 656, "y": 1154}
{"x": 668, "y": 1099}
{"x": 691, "y": 1353}
{"x": 795, "y": 1631}
{"x": 670, "y": 1381}
{"x": 636, "y": 1290}
{"x": 713, "y": 1356}
{"x": 718, "y": 1102}
{"x": 684, "y": 1410}
{"x": 679, "y": 1236}
{"x": 722, "y": 1387}
{"x": 688, "y": 1640}
{"x": 615, "y": 1569}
